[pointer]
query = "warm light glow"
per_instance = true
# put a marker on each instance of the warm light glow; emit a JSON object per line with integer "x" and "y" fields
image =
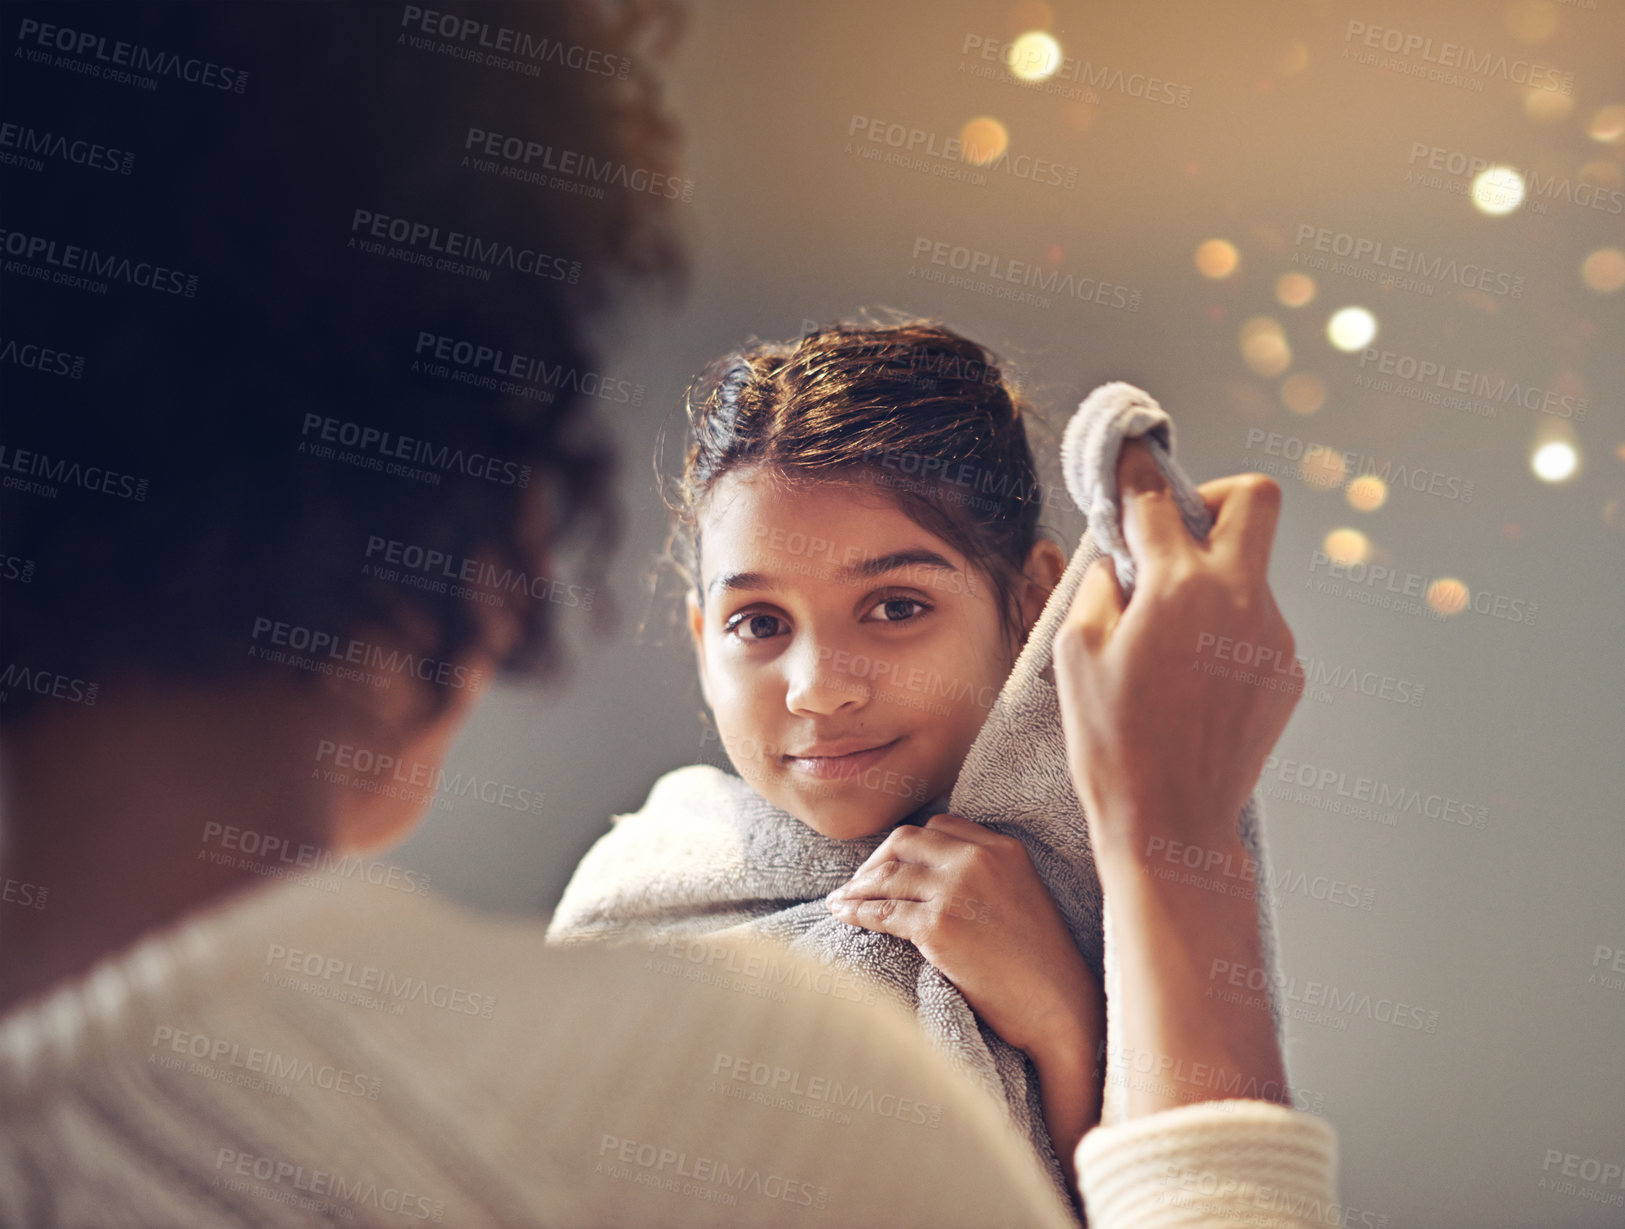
{"x": 983, "y": 139}
{"x": 1604, "y": 270}
{"x": 1029, "y": 15}
{"x": 1295, "y": 289}
{"x": 1601, "y": 171}
{"x": 1294, "y": 59}
{"x": 1532, "y": 21}
{"x": 1497, "y": 191}
{"x": 1351, "y": 329}
{"x": 1555, "y": 461}
{"x": 1608, "y": 124}
{"x": 1447, "y": 596}
{"x": 1303, "y": 393}
{"x": 1547, "y": 106}
{"x": 1264, "y": 346}
{"x": 1347, "y": 546}
{"x": 1323, "y": 468}
{"x": 1367, "y": 493}
{"x": 1217, "y": 258}
{"x": 1034, "y": 56}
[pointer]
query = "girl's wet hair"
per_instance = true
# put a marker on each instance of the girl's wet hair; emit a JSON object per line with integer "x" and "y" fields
{"x": 911, "y": 408}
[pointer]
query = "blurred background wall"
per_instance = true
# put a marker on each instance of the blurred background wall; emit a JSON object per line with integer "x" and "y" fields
{"x": 1373, "y": 249}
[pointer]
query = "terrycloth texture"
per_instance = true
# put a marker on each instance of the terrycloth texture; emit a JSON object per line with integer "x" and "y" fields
{"x": 1016, "y": 778}
{"x": 706, "y": 853}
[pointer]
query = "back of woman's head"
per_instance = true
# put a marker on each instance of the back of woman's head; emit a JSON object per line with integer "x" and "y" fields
{"x": 341, "y": 372}
{"x": 911, "y": 408}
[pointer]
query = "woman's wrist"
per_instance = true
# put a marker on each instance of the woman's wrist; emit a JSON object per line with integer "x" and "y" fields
{"x": 1195, "y": 993}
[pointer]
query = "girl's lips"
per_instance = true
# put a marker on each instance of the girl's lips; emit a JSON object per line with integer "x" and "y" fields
{"x": 826, "y": 767}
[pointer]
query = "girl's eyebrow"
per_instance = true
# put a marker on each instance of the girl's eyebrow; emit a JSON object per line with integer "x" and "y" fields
{"x": 863, "y": 568}
{"x": 918, "y": 557}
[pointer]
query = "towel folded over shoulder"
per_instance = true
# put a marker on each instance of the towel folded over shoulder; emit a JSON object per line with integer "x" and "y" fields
{"x": 707, "y": 854}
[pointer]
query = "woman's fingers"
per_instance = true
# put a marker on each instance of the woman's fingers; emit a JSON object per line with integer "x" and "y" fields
{"x": 1099, "y": 603}
{"x": 1246, "y": 510}
{"x": 1152, "y": 526}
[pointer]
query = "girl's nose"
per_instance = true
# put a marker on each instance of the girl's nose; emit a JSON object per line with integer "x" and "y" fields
{"x": 821, "y": 681}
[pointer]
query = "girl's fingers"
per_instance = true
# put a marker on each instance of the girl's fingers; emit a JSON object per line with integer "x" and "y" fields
{"x": 898, "y": 880}
{"x": 960, "y": 828}
{"x": 893, "y": 917}
{"x": 927, "y": 846}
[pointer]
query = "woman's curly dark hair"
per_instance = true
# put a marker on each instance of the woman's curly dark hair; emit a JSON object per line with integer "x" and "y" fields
{"x": 222, "y": 492}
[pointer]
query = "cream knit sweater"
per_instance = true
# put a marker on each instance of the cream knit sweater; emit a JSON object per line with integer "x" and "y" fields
{"x": 366, "y": 1057}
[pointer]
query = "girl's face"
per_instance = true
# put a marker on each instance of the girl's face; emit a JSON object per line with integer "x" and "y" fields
{"x": 848, "y": 655}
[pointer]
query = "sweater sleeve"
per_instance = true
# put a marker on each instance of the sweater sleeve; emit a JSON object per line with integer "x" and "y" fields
{"x": 1211, "y": 1165}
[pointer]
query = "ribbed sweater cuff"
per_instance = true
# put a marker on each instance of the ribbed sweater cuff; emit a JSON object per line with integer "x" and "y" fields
{"x": 1244, "y": 1163}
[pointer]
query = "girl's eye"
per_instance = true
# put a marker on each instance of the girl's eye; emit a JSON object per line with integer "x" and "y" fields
{"x": 897, "y": 610}
{"x": 758, "y": 626}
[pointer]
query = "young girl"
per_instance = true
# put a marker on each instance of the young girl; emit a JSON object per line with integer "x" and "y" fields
{"x": 857, "y": 522}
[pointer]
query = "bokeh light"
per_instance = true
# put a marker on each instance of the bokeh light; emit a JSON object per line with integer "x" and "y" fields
{"x": 983, "y": 139}
{"x": 1294, "y": 59}
{"x": 1264, "y": 347}
{"x": 1303, "y": 393}
{"x": 1346, "y": 546}
{"x": 1608, "y": 124}
{"x": 1447, "y": 596}
{"x": 1555, "y": 461}
{"x": 1367, "y": 493}
{"x": 1547, "y": 106}
{"x": 1497, "y": 191}
{"x": 1604, "y": 270}
{"x": 1351, "y": 329}
{"x": 1603, "y": 172}
{"x": 1295, "y": 289}
{"x": 1034, "y": 56}
{"x": 1217, "y": 258}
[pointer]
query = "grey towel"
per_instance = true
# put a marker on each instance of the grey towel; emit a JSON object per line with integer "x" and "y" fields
{"x": 1016, "y": 779}
{"x": 706, "y": 854}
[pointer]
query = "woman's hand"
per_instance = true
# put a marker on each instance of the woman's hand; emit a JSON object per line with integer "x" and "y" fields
{"x": 973, "y": 904}
{"x": 1165, "y": 744}
{"x": 1163, "y": 739}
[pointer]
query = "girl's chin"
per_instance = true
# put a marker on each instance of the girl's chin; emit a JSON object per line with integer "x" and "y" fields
{"x": 843, "y": 822}
{"x": 845, "y": 829}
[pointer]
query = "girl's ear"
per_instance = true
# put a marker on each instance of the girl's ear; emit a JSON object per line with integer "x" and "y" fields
{"x": 696, "y": 629}
{"x": 1045, "y": 563}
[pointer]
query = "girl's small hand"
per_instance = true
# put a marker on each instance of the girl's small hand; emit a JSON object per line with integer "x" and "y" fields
{"x": 972, "y": 902}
